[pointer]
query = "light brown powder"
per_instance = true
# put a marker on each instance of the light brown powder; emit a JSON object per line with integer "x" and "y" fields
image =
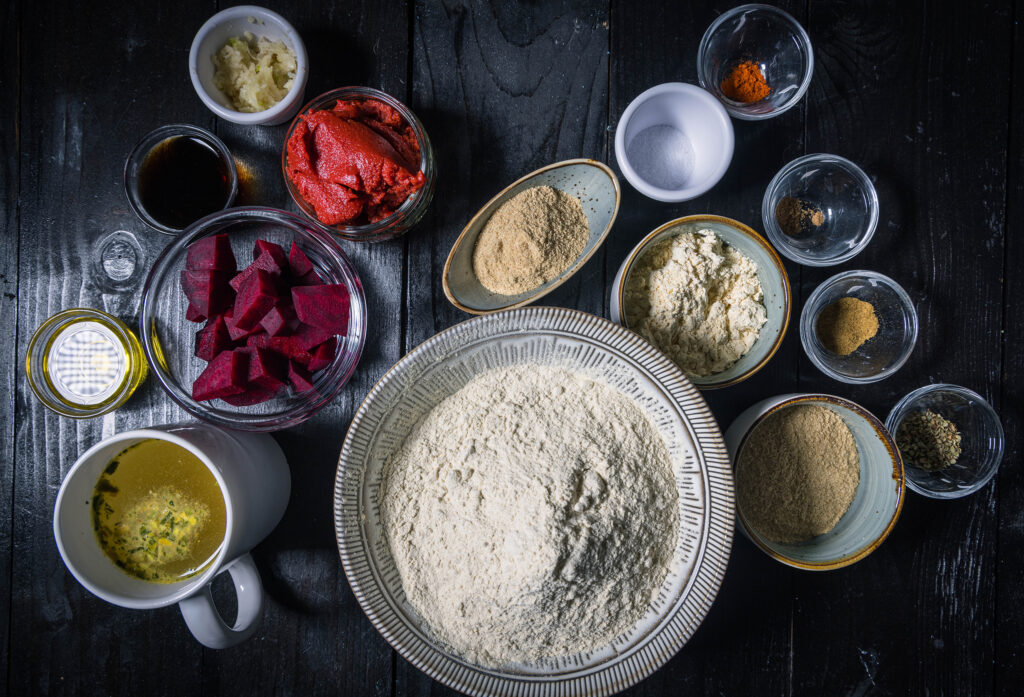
{"x": 532, "y": 238}
{"x": 797, "y": 473}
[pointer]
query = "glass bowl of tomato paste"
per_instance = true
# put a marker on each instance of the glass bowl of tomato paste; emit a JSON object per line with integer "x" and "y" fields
{"x": 358, "y": 163}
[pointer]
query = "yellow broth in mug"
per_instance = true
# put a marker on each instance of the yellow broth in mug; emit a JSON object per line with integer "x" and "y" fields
{"x": 158, "y": 512}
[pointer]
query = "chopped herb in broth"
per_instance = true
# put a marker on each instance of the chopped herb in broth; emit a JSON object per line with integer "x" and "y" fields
{"x": 158, "y": 512}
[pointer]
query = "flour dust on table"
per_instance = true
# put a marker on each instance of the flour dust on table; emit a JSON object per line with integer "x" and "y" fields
{"x": 531, "y": 515}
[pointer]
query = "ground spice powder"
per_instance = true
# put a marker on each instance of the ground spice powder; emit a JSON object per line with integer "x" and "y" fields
{"x": 797, "y": 217}
{"x": 846, "y": 324}
{"x": 797, "y": 473}
{"x": 745, "y": 83}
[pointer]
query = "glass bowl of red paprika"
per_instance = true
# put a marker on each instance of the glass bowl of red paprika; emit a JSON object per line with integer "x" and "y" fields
{"x": 757, "y": 60}
{"x": 358, "y": 163}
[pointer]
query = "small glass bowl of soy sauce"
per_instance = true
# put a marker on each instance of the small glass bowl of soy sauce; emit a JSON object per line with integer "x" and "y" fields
{"x": 178, "y": 174}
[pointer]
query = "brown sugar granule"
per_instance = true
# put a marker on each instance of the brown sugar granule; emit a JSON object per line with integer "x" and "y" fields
{"x": 846, "y": 324}
{"x": 797, "y": 217}
{"x": 797, "y": 473}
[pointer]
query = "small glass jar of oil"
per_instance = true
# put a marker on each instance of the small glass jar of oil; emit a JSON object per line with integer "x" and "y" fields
{"x": 83, "y": 363}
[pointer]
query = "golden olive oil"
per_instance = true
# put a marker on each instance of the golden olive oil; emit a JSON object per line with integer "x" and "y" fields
{"x": 158, "y": 512}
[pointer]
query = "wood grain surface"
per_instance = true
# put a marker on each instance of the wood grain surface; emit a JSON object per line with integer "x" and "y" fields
{"x": 925, "y": 97}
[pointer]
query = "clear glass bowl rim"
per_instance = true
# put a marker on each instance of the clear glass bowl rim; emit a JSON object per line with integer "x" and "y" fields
{"x": 903, "y": 407}
{"x": 778, "y": 238}
{"x": 146, "y": 145}
{"x": 734, "y": 108}
{"x": 302, "y": 409}
{"x": 411, "y": 210}
{"x": 807, "y": 331}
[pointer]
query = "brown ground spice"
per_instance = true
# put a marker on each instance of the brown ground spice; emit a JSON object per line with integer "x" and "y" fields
{"x": 846, "y": 324}
{"x": 797, "y": 217}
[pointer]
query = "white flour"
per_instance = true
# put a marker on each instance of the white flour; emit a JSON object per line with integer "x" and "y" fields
{"x": 531, "y": 515}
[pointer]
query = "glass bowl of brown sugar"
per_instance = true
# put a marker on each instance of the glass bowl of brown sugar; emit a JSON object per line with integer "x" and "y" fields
{"x": 858, "y": 327}
{"x": 757, "y": 60}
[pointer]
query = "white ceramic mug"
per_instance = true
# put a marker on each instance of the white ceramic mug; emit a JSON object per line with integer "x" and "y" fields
{"x": 255, "y": 481}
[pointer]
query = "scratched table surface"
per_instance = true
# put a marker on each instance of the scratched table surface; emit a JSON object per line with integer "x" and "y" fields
{"x": 926, "y": 98}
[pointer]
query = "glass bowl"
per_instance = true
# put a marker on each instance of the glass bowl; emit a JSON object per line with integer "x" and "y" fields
{"x": 770, "y": 273}
{"x": 981, "y": 440}
{"x": 151, "y": 140}
{"x": 875, "y": 507}
{"x": 843, "y": 194}
{"x": 410, "y": 212}
{"x": 878, "y": 357}
{"x": 168, "y": 338}
{"x": 774, "y": 41}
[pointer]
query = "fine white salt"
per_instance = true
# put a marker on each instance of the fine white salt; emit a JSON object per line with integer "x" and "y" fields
{"x": 662, "y": 156}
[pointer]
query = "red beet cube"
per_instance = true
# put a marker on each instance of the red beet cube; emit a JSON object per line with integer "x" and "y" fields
{"x": 299, "y": 377}
{"x": 325, "y": 307}
{"x": 255, "y": 298}
{"x": 280, "y": 320}
{"x": 306, "y": 336}
{"x": 225, "y": 375}
{"x": 323, "y": 356}
{"x": 284, "y": 345}
{"x": 266, "y": 369}
{"x": 265, "y": 262}
{"x": 253, "y": 394}
{"x": 211, "y": 254}
{"x": 212, "y": 339}
{"x": 237, "y": 333}
{"x": 274, "y": 250}
{"x": 208, "y": 292}
{"x": 193, "y": 315}
{"x": 310, "y": 279}
{"x": 298, "y": 262}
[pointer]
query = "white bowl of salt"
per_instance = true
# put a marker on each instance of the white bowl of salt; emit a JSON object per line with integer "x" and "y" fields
{"x": 674, "y": 142}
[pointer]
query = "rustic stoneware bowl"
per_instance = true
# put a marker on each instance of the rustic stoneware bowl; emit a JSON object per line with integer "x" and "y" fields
{"x": 594, "y": 346}
{"x": 770, "y": 272}
{"x": 875, "y": 507}
{"x": 592, "y": 182}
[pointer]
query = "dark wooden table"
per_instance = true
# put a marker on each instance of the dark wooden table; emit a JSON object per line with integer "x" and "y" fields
{"x": 922, "y": 96}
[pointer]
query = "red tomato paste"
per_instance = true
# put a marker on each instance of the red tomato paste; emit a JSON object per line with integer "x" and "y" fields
{"x": 355, "y": 163}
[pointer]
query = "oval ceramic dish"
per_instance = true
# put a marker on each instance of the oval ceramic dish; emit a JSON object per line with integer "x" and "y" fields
{"x": 592, "y": 182}
{"x": 770, "y": 272}
{"x": 594, "y": 346}
{"x": 875, "y": 507}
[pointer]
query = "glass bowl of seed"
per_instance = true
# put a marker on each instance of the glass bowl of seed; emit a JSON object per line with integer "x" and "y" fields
{"x": 950, "y": 438}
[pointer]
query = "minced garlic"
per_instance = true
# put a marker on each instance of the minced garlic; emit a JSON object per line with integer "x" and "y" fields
{"x": 255, "y": 74}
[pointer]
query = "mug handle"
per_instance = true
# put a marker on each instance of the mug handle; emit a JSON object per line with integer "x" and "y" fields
{"x": 205, "y": 622}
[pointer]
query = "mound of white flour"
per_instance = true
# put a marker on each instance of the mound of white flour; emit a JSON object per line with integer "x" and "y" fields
{"x": 531, "y": 515}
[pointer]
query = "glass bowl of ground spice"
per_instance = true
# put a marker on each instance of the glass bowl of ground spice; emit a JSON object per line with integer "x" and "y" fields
{"x": 358, "y": 163}
{"x": 757, "y": 60}
{"x": 819, "y": 480}
{"x": 858, "y": 326}
{"x": 820, "y": 210}
{"x": 950, "y": 438}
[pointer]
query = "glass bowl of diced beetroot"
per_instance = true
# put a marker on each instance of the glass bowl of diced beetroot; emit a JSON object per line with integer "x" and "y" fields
{"x": 253, "y": 319}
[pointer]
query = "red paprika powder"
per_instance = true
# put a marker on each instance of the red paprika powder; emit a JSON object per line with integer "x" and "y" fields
{"x": 745, "y": 83}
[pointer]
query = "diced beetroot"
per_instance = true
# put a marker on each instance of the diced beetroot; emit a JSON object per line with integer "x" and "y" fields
{"x": 299, "y": 377}
{"x": 193, "y": 315}
{"x": 225, "y": 375}
{"x": 235, "y": 332}
{"x": 310, "y": 279}
{"x": 266, "y": 369}
{"x": 298, "y": 262}
{"x": 254, "y": 394}
{"x": 280, "y": 320}
{"x": 255, "y": 298}
{"x": 274, "y": 250}
{"x": 284, "y": 345}
{"x": 212, "y": 339}
{"x": 323, "y": 356}
{"x": 307, "y": 337}
{"x": 211, "y": 254}
{"x": 325, "y": 307}
{"x": 265, "y": 262}
{"x": 207, "y": 291}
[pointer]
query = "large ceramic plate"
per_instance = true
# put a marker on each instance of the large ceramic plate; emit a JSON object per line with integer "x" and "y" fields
{"x": 596, "y": 347}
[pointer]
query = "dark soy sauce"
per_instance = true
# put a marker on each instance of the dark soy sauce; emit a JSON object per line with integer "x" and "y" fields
{"x": 181, "y": 180}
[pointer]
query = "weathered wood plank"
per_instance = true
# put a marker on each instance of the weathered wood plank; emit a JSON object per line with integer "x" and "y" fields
{"x": 897, "y": 92}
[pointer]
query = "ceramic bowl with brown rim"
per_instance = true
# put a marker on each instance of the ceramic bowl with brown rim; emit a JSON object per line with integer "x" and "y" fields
{"x": 770, "y": 273}
{"x": 592, "y": 182}
{"x": 875, "y": 507}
